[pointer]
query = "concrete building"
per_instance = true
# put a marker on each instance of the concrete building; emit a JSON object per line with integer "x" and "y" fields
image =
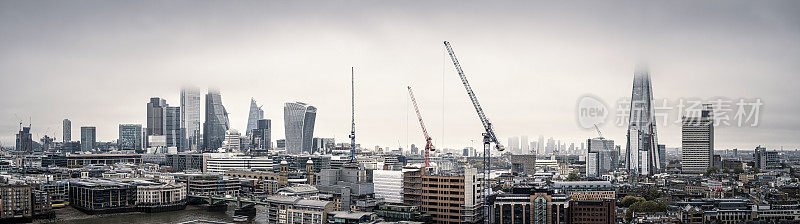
{"x": 209, "y": 184}
{"x": 447, "y": 197}
{"x": 130, "y": 137}
{"x": 527, "y": 205}
{"x": 697, "y": 141}
{"x": 388, "y": 185}
{"x": 350, "y": 189}
{"x": 66, "y": 129}
{"x": 216, "y": 123}
{"x": 289, "y": 209}
{"x": 299, "y": 121}
{"x": 76, "y": 160}
{"x": 525, "y": 164}
{"x": 600, "y": 156}
{"x": 157, "y": 197}
{"x": 185, "y": 162}
{"x": 88, "y": 138}
{"x": 642, "y": 156}
{"x": 765, "y": 160}
{"x": 190, "y": 116}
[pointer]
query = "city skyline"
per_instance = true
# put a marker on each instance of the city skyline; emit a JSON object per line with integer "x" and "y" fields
{"x": 527, "y": 78}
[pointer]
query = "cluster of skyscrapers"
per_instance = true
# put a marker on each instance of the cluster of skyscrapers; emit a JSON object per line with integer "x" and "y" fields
{"x": 180, "y": 128}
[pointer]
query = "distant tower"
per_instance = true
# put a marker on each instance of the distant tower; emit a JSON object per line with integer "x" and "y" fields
{"x": 299, "y": 127}
{"x": 66, "y": 128}
{"x": 216, "y": 121}
{"x": 697, "y": 141}
{"x": 190, "y": 116}
{"x": 88, "y": 138}
{"x": 642, "y": 146}
{"x": 256, "y": 113}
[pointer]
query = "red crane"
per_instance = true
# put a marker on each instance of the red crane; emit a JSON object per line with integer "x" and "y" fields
{"x": 428, "y": 145}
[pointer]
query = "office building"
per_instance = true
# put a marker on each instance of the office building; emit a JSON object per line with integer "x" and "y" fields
{"x": 323, "y": 145}
{"x": 448, "y": 197}
{"x": 388, "y": 185}
{"x": 190, "y": 116}
{"x": 158, "y": 197}
{"x": 88, "y": 138}
{"x": 292, "y": 209}
{"x": 524, "y": 145}
{"x": 261, "y": 137}
{"x": 523, "y": 164}
{"x": 24, "y": 140}
{"x": 173, "y": 131}
{"x": 600, "y": 156}
{"x": 766, "y": 159}
{"x": 642, "y": 156}
{"x": 98, "y": 196}
{"x": 130, "y": 137}
{"x": 216, "y": 121}
{"x": 66, "y": 129}
{"x": 299, "y": 127}
{"x": 80, "y": 160}
{"x": 697, "y": 141}
{"x": 156, "y": 113}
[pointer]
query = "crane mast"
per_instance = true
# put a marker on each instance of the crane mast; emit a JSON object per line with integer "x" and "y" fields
{"x": 428, "y": 145}
{"x": 488, "y": 136}
{"x": 352, "y": 117}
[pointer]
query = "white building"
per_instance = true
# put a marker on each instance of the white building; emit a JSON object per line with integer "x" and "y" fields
{"x": 388, "y": 185}
{"x": 233, "y": 141}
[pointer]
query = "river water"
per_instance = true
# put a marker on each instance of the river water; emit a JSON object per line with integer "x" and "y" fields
{"x": 70, "y": 215}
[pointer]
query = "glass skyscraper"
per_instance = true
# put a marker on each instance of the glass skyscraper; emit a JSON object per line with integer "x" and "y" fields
{"x": 642, "y": 145}
{"x": 130, "y": 137}
{"x": 255, "y": 114}
{"x": 190, "y": 116}
{"x": 88, "y": 138}
{"x": 216, "y": 121}
{"x": 66, "y": 128}
{"x": 298, "y": 121}
{"x": 173, "y": 129}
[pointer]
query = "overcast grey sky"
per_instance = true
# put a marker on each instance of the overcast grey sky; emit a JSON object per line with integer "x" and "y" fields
{"x": 98, "y": 62}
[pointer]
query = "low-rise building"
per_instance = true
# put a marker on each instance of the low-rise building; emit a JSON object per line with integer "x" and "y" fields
{"x": 291, "y": 209}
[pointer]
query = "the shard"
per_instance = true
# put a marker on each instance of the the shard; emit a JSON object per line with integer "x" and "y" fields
{"x": 642, "y": 147}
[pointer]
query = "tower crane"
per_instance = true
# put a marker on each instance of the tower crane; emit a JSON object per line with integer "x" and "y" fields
{"x": 352, "y": 117}
{"x": 428, "y": 145}
{"x": 488, "y": 136}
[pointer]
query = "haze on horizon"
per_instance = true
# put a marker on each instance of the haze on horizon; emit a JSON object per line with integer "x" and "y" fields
{"x": 98, "y": 63}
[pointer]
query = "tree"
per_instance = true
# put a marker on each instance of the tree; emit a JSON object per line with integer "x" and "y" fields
{"x": 573, "y": 177}
{"x": 652, "y": 193}
{"x": 738, "y": 170}
{"x": 630, "y": 200}
{"x": 712, "y": 169}
{"x": 755, "y": 169}
{"x": 645, "y": 206}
